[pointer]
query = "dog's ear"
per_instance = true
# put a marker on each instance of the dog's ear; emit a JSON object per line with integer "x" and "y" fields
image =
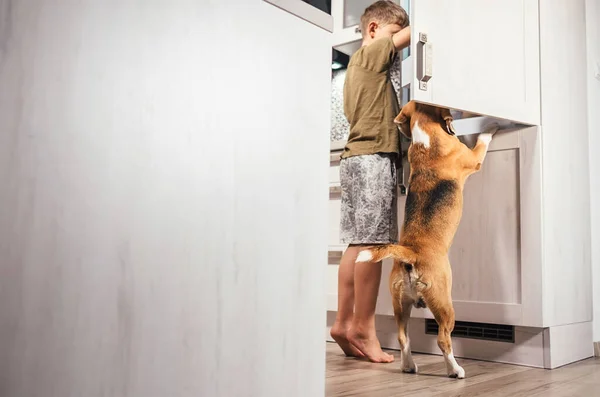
{"x": 403, "y": 118}
{"x": 445, "y": 113}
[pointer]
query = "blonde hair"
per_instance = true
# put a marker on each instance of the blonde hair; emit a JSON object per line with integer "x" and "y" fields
{"x": 384, "y": 12}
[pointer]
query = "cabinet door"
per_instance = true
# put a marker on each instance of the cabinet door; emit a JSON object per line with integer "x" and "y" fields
{"x": 479, "y": 56}
{"x": 496, "y": 252}
{"x": 485, "y": 257}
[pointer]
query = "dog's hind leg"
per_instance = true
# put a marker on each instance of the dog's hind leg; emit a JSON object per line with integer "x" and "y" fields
{"x": 439, "y": 301}
{"x": 402, "y": 309}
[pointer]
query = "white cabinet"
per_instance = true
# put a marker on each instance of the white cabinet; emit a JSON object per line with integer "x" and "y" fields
{"x": 465, "y": 55}
{"x": 521, "y": 255}
{"x": 484, "y": 56}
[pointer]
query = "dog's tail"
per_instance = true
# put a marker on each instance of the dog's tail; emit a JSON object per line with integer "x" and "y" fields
{"x": 395, "y": 251}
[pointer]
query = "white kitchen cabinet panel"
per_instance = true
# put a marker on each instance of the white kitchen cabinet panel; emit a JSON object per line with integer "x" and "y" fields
{"x": 489, "y": 270}
{"x": 482, "y": 57}
{"x": 466, "y": 55}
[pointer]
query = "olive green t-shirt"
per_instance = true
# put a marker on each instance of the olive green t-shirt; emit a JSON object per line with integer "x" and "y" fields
{"x": 370, "y": 103}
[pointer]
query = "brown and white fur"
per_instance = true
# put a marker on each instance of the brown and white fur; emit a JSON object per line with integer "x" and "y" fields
{"x": 421, "y": 275}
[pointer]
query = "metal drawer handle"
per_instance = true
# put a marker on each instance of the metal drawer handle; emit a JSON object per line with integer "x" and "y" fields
{"x": 424, "y": 61}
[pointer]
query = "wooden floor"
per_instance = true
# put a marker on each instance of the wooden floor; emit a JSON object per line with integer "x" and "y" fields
{"x": 352, "y": 377}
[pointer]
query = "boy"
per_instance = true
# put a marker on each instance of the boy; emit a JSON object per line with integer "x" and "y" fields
{"x": 368, "y": 176}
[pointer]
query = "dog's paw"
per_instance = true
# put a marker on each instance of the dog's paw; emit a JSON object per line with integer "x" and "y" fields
{"x": 454, "y": 370}
{"x": 364, "y": 256}
{"x": 409, "y": 368}
{"x": 457, "y": 372}
{"x": 485, "y": 137}
{"x": 488, "y": 133}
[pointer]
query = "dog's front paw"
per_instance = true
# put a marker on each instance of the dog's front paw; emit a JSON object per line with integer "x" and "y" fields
{"x": 457, "y": 372}
{"x": 488, "y": 133}
{"x": 485, "y": 138}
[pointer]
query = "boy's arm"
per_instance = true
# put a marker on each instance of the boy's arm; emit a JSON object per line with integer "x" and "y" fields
{"x": 402, "y": 39}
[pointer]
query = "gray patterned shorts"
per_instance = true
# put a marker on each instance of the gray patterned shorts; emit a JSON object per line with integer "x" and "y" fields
{"x": 369, "y": 199}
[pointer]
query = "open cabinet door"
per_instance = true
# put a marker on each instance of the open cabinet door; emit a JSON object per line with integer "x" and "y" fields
{"x": 477, "y": 56}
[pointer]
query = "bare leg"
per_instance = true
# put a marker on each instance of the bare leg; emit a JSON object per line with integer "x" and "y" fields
{"x": 362, "y": 334}
{"x": 345, "y": 313}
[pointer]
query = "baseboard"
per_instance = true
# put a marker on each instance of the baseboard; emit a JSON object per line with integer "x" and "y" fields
{"x": 566, "y": 344}
{"x": 533, "y": 347}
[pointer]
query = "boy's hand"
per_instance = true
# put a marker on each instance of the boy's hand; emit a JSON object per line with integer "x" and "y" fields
{"x": 402, "y": 39}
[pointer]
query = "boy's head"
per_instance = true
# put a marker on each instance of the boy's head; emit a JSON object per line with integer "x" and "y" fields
{"x": 382, "y": 19}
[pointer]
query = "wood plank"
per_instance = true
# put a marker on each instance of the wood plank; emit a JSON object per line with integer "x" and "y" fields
{"x": 352, "y": 377}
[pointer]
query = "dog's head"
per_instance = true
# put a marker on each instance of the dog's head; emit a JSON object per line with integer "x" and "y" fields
{"x": 412, "y": 112}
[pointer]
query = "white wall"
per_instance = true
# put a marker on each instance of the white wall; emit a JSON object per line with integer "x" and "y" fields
{"x": 163, "y": 198}
{"x": 593, "y": 50}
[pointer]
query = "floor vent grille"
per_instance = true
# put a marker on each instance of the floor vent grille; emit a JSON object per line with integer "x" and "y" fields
{"x": 463, "y": 329}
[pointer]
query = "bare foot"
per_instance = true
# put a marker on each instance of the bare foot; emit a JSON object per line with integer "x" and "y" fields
{"x": 339, "y": 334}
{"x": 369, "y": 346}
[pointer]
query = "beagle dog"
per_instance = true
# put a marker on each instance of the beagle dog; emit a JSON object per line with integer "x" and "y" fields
{"x": 421, "y": 275}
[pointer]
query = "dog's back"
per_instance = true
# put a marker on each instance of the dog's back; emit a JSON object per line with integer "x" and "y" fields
{"x": 433, "y": 208}
{"x": 434, "y": 202}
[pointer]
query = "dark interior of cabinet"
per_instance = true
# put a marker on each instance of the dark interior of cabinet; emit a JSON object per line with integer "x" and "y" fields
{"x": 340, "y": 59}
{"x": 323, "y": 5}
